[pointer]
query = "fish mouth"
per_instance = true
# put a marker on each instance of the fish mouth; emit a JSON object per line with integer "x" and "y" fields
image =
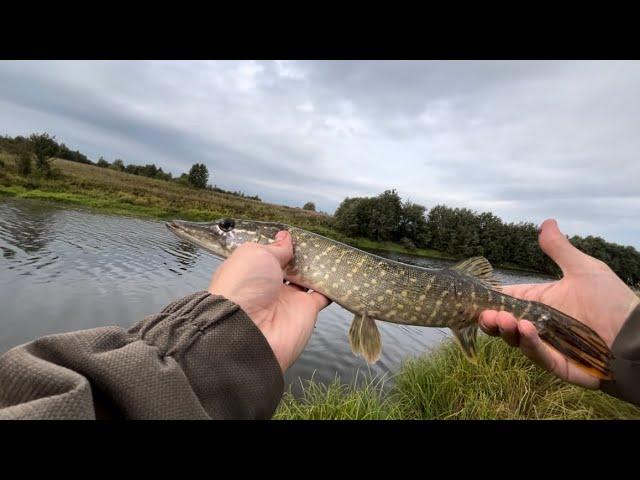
{"x": 173, "y": 225}
{"x": 198, "y": 234}
{"x": 177, "y": 227}
{"x": 183, "y": 229}
{"x": 183, "y": 225}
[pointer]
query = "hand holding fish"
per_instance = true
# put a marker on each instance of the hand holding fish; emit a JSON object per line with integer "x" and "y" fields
{"x": 589, "y": 291}
{"x": 252, "y": 277}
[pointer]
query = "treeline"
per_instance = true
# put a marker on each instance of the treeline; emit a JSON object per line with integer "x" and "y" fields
{"x": 150, "y": 170}
{"x": 19, "y": 144}
{"x": 462, "y": 233}
{"x": 43, "y": 148}
{"x": 383, "y": 218}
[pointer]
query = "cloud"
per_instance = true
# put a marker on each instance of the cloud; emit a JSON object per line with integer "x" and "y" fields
{"x": 526, "y": 140}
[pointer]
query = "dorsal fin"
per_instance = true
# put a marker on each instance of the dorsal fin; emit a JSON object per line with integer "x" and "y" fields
{"x": 480, "y": 269}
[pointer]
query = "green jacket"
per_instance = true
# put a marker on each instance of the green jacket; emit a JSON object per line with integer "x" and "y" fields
{"x": 200, "y": 358}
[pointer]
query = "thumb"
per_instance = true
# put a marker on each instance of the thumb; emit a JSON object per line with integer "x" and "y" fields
{"x": 555, "y": 244}
{"x": 282, "y": 248}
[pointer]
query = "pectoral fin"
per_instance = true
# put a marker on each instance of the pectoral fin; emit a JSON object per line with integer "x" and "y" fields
{"x": 364, "y": 338}
{"x": 467, "y": 340}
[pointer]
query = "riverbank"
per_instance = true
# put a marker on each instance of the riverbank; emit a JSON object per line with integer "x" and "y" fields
{"x": 445, "y": 385}
{"x": 120, "y": 193}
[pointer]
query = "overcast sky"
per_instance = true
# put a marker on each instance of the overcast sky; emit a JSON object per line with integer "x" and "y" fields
{"x": 525, "y": 140}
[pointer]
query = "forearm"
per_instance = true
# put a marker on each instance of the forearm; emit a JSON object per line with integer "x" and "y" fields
{"x": 200, "y": 358}
{"x": 626, "y": 362}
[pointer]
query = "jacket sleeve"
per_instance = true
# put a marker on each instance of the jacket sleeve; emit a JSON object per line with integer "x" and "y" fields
{"x": 200, "y": 358}
{"x": 626, "y": 363}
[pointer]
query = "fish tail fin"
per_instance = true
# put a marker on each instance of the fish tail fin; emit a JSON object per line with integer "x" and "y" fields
{"x": 576, "y": 341}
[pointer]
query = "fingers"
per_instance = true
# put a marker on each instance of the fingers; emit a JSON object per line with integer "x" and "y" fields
{"x": 282, "y": 248}
{"x": 500, "y": 323}
{"x": 320, "y": 300}
{"x": 518, "y": 334}
{"x": 533, "y": 348}
{"x": 525, "y": 336}
{"x": 557, "y": 246}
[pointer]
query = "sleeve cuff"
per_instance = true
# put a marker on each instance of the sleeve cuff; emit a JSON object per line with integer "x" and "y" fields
{"x": 626, "y": 362}
{"x": 226, "y": 358}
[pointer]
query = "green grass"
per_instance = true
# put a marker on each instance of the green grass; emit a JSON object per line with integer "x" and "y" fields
{"x": 503, "y": 384}
{"x": 337, "y": 401}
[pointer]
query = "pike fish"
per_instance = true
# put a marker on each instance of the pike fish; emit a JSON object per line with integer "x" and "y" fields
{"x": 375, "y": 288}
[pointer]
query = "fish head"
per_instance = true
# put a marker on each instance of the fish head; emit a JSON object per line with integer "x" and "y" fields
{"x": 223, "y": 236}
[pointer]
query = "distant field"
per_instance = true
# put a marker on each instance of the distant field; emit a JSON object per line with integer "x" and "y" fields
{"x": 147, "y": 195}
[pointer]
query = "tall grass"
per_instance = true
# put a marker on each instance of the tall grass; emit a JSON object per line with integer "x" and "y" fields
{"x": 337, "y": 401}
{"x": 502, "y": 384}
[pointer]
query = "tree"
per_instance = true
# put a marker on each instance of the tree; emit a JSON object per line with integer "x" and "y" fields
{"x": 118, "y": 165}
{"x": 160, "y": 175}
{"x": 44, "y": 147}
{"x": 198, "y": 175}
{"x": 133, "y": 169}
{"x": 309, "y": 206}
{"x": 67, "y": 154}
{"x": 183, "y": 179}
{"x": 384, "y": 216}
{"x": 377, "y": 218}
{"x": 102, "y": 163}
{"x": 413, "y": 224}
{"x": 149, "y": 170}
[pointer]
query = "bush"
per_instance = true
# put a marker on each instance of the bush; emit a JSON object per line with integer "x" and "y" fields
{"x": 102, "y": 163}
{"x": 44, "y": 147}
{"x": 117, "y": 165}
{"x": 407, "y": 243}
{"x": 198, "y": 175}
{"x": 23, "y": 164}
{"x": 65, "y": 153}
{"x": 309, "y": 206}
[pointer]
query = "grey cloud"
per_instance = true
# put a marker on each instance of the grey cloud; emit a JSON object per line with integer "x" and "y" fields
{"x": 525, "y": 139}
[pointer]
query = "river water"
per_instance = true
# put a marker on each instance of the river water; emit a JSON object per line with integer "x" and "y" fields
{"x": 65, "y": 269}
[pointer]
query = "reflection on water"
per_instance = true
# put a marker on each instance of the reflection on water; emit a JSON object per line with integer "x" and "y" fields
{"x": 65, "y": 269}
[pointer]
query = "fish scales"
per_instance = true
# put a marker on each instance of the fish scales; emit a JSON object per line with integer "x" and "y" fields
{"x": 387, "y": 290}
{"x": 376, "y": 288}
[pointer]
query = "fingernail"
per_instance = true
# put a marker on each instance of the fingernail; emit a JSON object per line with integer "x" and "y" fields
{"x": 281, "y": 235}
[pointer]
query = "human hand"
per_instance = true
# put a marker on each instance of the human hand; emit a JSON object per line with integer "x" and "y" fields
{"x": 589, "y": 291}
{"x": 252, "y": 277}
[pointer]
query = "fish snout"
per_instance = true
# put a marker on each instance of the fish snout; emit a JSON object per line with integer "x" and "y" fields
{"x": 175, "y": 225}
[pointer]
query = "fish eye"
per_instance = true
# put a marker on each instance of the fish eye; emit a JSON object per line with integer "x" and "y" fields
{"x": 227, "y": 224}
